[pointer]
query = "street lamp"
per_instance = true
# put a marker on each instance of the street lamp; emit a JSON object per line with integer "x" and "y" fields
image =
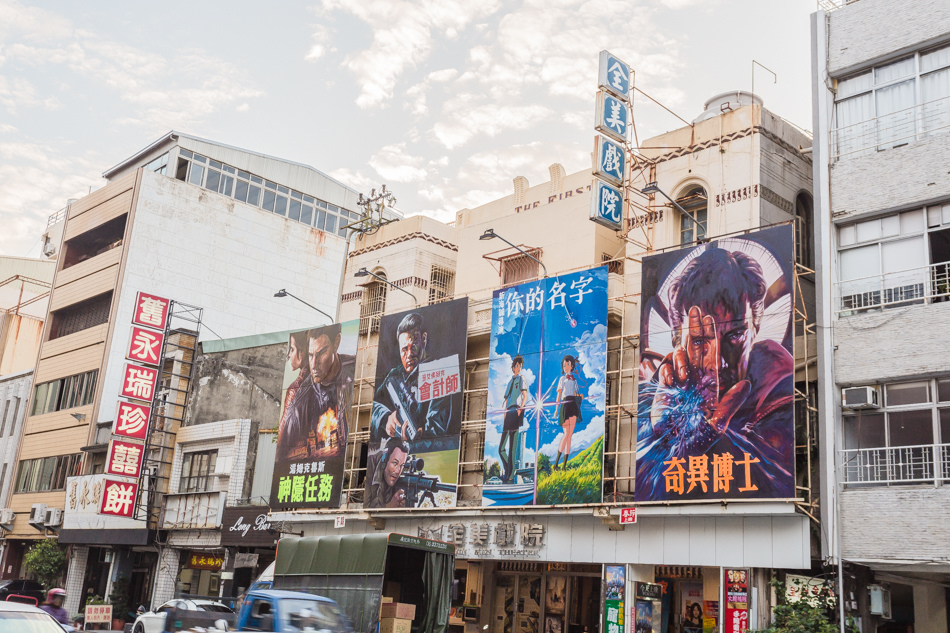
{"x": 283, "y": 293}
{"x": 490, "y": 234}
{"x": 653, "y": 188}
{"x": 362, "y": 272}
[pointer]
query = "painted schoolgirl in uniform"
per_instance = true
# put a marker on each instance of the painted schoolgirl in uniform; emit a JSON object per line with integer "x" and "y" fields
{"x": 568, "y": 406}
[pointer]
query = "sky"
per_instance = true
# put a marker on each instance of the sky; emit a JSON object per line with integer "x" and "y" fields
{"x": 445, "y": 101}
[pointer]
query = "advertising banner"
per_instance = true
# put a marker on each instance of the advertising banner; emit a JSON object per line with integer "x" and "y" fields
{"x": 311, "y": 438}
{"x": 616, "y": 584}
{"x": 737, "y": 600}
{"x": 716, "y": 390}
{"x": 416, "y": 422}
{"x": 546, "y": 392}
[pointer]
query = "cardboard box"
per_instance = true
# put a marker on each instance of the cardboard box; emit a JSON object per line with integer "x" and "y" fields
{"x": 395, "y": 625}
{"x": 387, "y": 599}
{"x": 398, "y": 610}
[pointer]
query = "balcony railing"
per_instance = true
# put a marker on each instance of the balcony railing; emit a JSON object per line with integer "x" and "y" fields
{"x": 892, "y": 130}
{"x": 193, "y": 511}
{"x": 927, "y": 463}
{"x": 929, "y": 284}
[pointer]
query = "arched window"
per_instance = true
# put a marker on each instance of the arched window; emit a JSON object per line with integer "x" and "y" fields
{"x": 374, "y": 304}
{"x": 804, "y": 236}
{"x": 694, "y": 201}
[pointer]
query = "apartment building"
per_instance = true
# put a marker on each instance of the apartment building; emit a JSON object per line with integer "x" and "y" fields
{"x": 215, "y": 230}
{"x": 736, "y": 169}
{"x": 881, "y": 87}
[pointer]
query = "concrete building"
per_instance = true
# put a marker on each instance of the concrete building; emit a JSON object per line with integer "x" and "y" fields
{"x": 737, "y": 168}
{"x": 215, "y": 229}
{"x": 881, "y": 86}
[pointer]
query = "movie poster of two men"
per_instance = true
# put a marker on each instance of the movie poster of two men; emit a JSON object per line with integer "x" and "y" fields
{"x": 316, "y": 399}
{"x": 716, "y": 383}
{"x": 416, "y": 421}
{"x": 546, "y": 392}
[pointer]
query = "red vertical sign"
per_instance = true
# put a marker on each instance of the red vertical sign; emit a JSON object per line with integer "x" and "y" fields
{"x": 736, "y": 618}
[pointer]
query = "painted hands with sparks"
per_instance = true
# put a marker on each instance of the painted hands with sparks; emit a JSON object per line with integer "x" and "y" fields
{"x": 698, "y": 365}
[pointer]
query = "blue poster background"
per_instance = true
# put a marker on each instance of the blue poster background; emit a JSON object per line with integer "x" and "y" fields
{"x": 544, "y": 321}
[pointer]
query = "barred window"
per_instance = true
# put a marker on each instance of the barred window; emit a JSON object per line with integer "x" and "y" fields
{"x": 441, "y": 284}
{"x": 374, "y": 304}
{"x": 80, "y": 316}
{"x": 518, "y": 268}
{"x": 694, "y": 201}
{"x": 196, "y": 470}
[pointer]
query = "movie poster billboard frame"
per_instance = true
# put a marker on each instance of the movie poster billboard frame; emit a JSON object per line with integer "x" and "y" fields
{"x": 716, "y": 413}
{"x": 312, "y": 433}
{"x": 416, "y": 420}
{"x": 543, "y": 323}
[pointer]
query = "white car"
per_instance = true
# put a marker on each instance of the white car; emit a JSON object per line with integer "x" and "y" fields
{"x": 154, "y": 621}
{"x": 16, "y": 616}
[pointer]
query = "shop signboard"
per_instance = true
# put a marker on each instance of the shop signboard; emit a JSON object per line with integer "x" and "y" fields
{"x": 716, "y": 384}
{"x": 204, "y": 560}
{"x": 505, "y": 538}
{"x": 736, "y": 582}
{"x": 546, "y": 392}
{"x": 138, "y": 382}
{"x": 83, "y": 501}
{"x": 314, "y": 420}
{"x": 151, "y": 311}
{"x": 145, "y": 346}
{"x": 416, "y": 420}
{"x": 615, "y": 582}
{"x": 124, "y": 458}
{"x": 98, "y": 614}
{"x": 628, "y": 515}
{"x": 131, "y": 420}
{"x": 118, "y": 498}
{"x": 814, "y": 591}
{"x": 247, "y": 526}
{"x": 614, "y": 75}
{"x": 606, "y": 205}
{"x": 608, "y": 160}
{"x": 646, "y": 616}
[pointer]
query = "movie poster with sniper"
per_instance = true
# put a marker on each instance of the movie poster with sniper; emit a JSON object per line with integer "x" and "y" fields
{"x": 716, "y": 374}
{"x": 416, "y": 420}
{"x": 546, "y": 392}
{"x": 315, "y": 410}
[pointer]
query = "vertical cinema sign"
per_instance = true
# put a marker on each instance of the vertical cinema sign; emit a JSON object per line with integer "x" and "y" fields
{"x": 134, "y": 411}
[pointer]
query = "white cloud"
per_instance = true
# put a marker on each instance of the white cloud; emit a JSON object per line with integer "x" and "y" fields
{"x": 462, "y": 120}
{"x": 393, "y": 163}
{"x": 403, "y": 34}
{"x": 320, "y": 37}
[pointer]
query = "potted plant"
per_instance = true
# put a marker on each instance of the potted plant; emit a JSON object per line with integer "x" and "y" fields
{"x": 119, "y": 598}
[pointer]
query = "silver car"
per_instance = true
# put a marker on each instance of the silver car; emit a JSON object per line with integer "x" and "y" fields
{"x": 154, "y": 621}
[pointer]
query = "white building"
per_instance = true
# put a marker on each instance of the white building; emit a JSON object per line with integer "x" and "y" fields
{"x": 881, "y": 86}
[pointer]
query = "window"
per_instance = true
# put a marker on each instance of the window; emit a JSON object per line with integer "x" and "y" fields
{"x": 374, "y": 304}
{"x": 896, "y": 260}
{"x": 16, "y": 410}
{"x": 255, "y": 191}
{"x": 518, "y": 268}
{"x": 196, "y": 471}
{"x": 47, "y": 473}
{"x": 694, "y": 201}
{"x": 803, "y": 230}
{"x": 159, "y": 165}
{"x": 441, "y": 284}
{"x": 3, "y": 421}
{"x": 94, "y": 242}
{"x": 879, "y": 107}
{"x": 80, "y": 316}
{"x": 64, "y": 393}
{"x": 901, "y": 442}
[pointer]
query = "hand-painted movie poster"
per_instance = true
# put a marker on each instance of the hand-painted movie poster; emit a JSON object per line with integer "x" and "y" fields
{"x": 546, "y": 392}
{"x": 317, "y": 396}
{"x": 417, "y": 408}
{"x": 716, "y": 391}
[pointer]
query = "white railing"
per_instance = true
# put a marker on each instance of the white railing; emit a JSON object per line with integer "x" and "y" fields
{"x": 832, "y": 5}
{"x": 929, "y": 284}
{"x": 891, "y": 130}
{"x": 193, "y": 510}
{"x": 926, "y": 463}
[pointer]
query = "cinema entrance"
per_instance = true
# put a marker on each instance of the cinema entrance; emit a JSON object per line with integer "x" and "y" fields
{"x": 545, "y": 598}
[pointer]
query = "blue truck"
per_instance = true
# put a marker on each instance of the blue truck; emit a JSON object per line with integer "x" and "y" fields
{"x": 267, "y": 611}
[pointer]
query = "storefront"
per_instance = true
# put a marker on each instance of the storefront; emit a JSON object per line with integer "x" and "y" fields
{"x": 251, "y": 544}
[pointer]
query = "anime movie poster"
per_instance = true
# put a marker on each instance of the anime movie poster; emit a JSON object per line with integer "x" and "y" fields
{"x": 716, "y": 390}
{"x": 546, "y": 392}
{"x": 315, "y": 408}
{"x": 416, "y": 421}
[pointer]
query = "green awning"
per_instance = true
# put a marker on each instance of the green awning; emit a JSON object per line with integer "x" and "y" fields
{"x": 349, "y": 554}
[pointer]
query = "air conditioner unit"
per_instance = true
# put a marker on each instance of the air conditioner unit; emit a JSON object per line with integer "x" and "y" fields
{"x": 854, "y": 398}
{"x": 7, "y": 516}
{"x": 38, "y": 515}
{"x": 880, "y": 599}
{"x": 54, "y": 517}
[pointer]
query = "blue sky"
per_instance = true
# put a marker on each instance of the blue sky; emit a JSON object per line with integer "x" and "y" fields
{"x": 444, "y": 100}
